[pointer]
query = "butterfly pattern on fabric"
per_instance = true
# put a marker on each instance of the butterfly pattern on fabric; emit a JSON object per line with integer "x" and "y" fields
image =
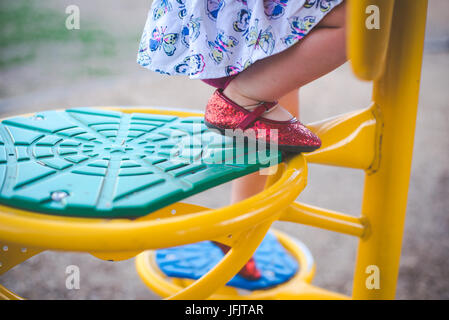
{"x": 143, "y": 58}
{"x": 221, "y": 45}
{"x": 161, "y": 40}
{"x": 260, "y": 39}
{"x": 191, "y": 31}
{"x": 213, "y": 7}
{"x": 162, "y": 72}
{"x": 182, "y": 8}
{"x": 232, "y": 70}
{"x": 191, "y": 65}
{"x": 161, "y": 9}
{"x": 242, "y": 22}
{"x": 274, "y": 9}
{"x": 300, "y": 27}
{"x": 323, "y": 5}
{"x": 207, "y": 39}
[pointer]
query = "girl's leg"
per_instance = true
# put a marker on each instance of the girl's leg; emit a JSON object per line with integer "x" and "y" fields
{"x": 254, "y": 183}
{"x": 271, "y": 78}
{"x": 317, "y": 54}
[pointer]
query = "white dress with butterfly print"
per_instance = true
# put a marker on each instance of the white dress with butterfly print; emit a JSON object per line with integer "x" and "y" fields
{"x": 208, "y": 39}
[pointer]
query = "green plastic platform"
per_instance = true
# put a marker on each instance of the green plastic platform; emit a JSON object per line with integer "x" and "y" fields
{"x": 99, "y": 163}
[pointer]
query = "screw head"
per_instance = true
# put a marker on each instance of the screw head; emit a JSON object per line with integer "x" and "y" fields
{"x": 58, "y": 196}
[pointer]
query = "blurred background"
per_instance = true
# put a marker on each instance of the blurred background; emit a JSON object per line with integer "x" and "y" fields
{"x": 43, "y": 65}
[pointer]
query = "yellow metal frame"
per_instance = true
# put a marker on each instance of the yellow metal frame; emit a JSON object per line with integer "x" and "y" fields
{"x": 378, "y": 140}
{"x": 241, "y": 226}
{"x": 298, "y": 287}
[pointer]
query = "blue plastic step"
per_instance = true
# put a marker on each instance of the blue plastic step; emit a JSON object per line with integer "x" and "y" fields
{"x": 192, "y": 261}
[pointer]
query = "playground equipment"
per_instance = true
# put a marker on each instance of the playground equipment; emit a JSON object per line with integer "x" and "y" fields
{"x": 86, "y": 179}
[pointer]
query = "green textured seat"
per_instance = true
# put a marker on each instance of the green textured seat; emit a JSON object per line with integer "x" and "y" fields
{"x": 99, "y": 163}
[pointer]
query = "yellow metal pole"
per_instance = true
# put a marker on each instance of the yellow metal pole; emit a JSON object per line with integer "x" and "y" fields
{"x": 385, "y": 194}
{"x": 369, "y": 24}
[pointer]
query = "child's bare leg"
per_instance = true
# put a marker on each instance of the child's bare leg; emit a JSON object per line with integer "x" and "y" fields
{"x": 254, "y": 183}
{"x": 317, "y": 54}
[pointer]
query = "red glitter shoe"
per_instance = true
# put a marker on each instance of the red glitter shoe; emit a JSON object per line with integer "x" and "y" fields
{"x": 222, "y": 113}
{"x": 249, "y": 271}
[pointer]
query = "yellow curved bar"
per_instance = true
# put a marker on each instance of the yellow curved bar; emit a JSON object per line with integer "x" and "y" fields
{"x": 96, "y": 235}
{"x": 233, "y": 261}
{"x": 164, "y": 286}
{"x": 306, "y": 291}
{"x": 367, "y": 47}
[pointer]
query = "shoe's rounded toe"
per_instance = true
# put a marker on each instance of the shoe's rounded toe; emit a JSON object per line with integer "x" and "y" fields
{"x": 299, "y": 138}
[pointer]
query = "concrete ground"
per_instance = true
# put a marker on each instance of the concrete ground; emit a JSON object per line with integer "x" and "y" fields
{"x": 42, "y": 66}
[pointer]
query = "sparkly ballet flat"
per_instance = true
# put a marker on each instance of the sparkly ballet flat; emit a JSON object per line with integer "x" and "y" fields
{"x": 292, "y": 136}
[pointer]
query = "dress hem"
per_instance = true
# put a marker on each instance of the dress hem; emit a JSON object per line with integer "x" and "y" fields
{"x": 219, "y": 72}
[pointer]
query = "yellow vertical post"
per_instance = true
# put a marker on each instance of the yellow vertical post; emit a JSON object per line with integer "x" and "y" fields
{"x": 368, "y": 43}
{"x": 385, "y": 193}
